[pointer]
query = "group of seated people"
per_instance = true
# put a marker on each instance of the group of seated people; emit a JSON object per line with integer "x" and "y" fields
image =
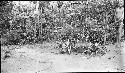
{"x": 69, "y": 44}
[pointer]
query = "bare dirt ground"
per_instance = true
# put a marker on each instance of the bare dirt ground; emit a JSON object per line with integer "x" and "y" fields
{"x": 42, "y": 58}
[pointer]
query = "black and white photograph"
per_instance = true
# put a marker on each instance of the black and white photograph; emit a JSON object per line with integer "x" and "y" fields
{"x": 62, "y": 36}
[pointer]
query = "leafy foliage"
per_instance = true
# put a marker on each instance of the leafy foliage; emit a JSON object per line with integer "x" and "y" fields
{"x": 54, "y": 21}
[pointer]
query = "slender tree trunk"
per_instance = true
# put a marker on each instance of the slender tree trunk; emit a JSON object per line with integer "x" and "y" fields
{"x": 106, "y": 27}
{"x": 120, "y": 15}
{"x": 105, "y": 23}
{"x": 37, "y": 20}
{"x": 120, "y": 31}
{"x": 119, "y": 35}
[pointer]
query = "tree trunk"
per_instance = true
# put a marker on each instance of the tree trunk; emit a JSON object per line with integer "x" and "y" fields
{"x": 37, "y": 20}
{"x": 105, "y": 24}
{"x": 120, "y": 15}
{"x": 119, "y": 35}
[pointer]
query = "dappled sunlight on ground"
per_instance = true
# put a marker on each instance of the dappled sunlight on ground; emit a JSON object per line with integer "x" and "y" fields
{"x": 43, "y": 59}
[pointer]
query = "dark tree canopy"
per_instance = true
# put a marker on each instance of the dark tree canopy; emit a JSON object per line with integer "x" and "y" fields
{"x": 52, "y": 20}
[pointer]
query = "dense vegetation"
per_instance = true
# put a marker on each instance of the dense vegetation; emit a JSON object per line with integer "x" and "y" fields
{"x": 39, "y": 21}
